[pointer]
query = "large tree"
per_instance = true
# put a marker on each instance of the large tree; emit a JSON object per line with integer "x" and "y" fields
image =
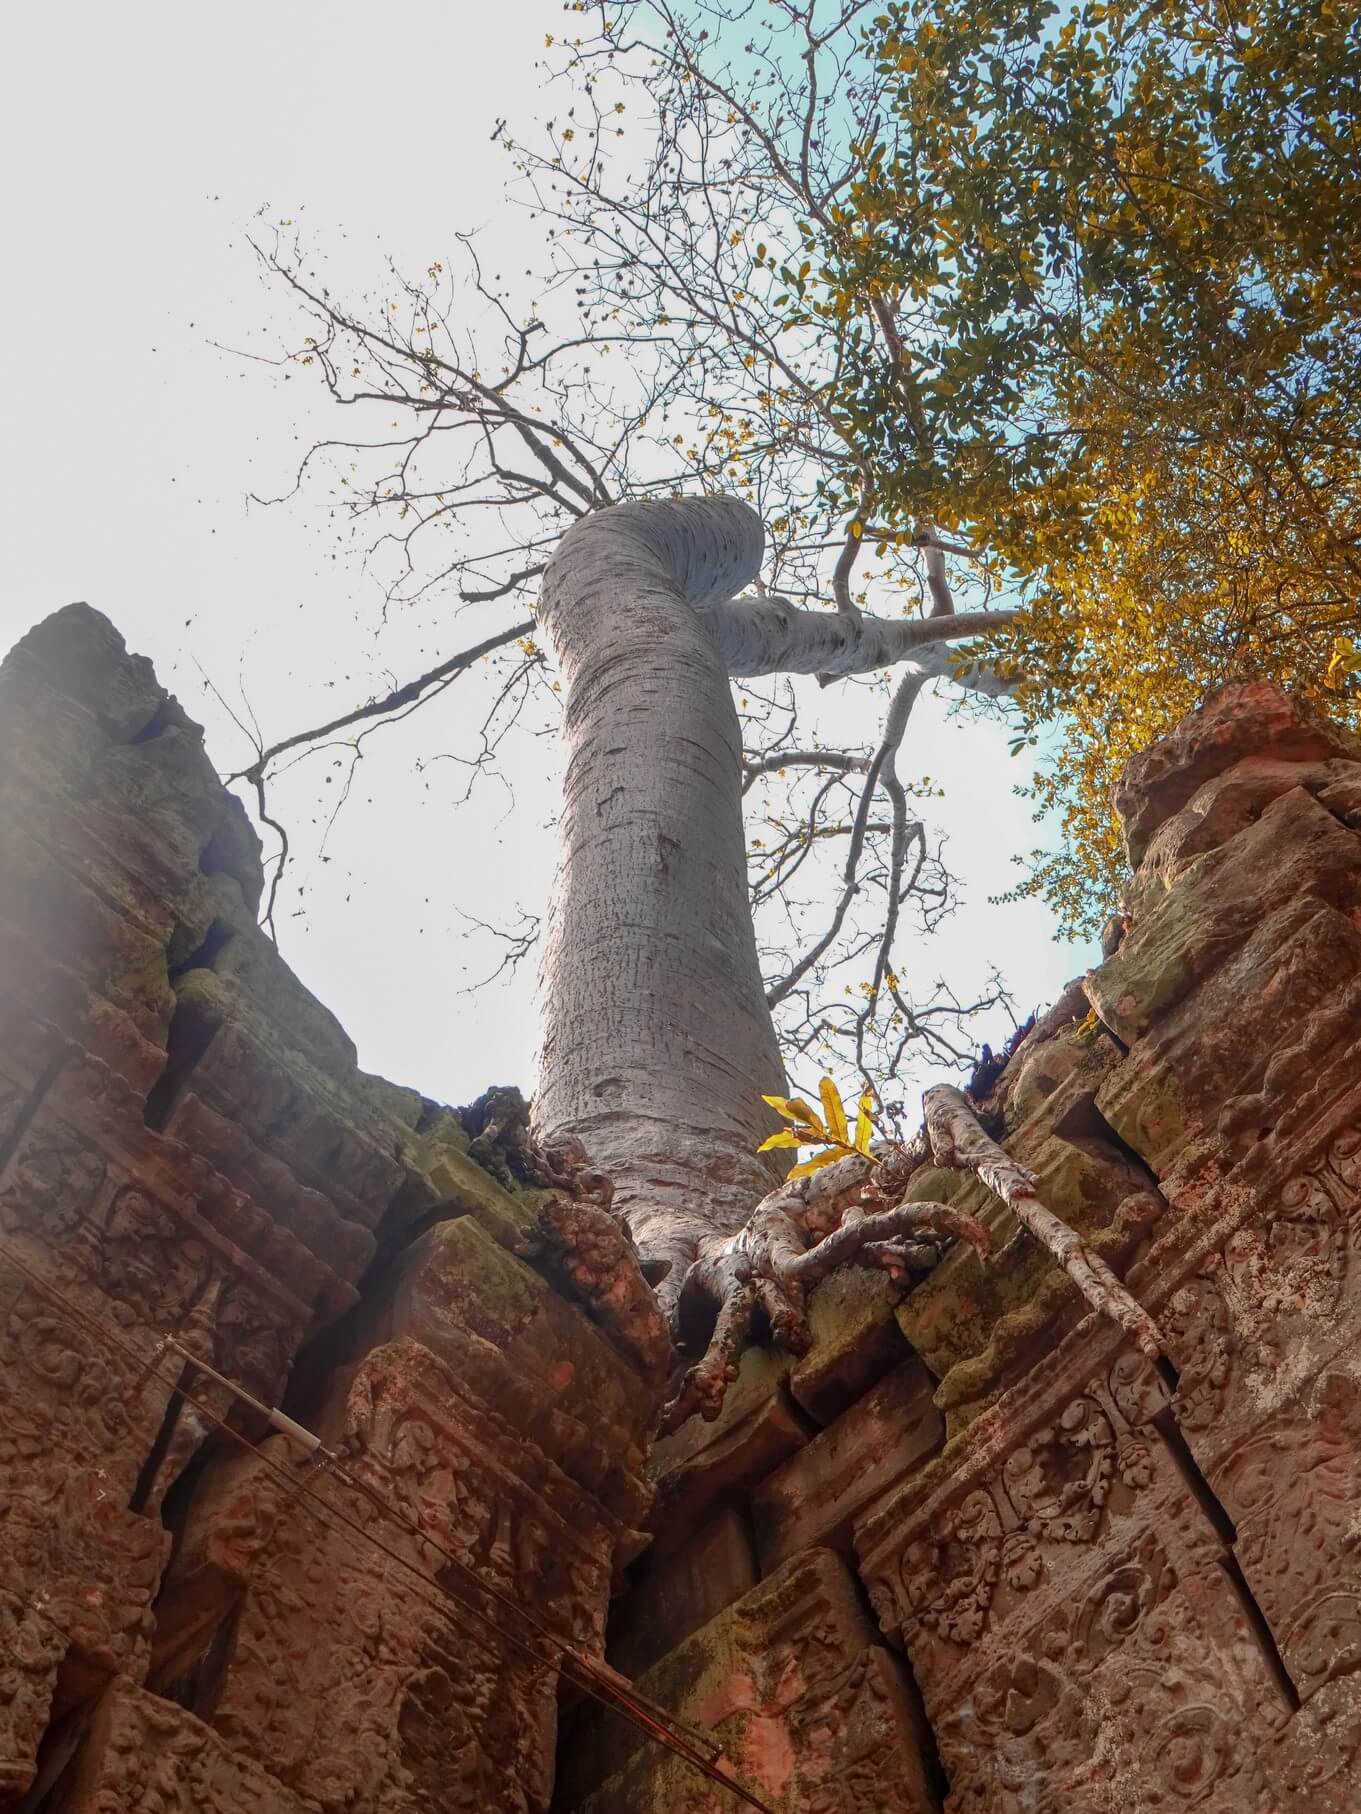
{"x": 659, "y": 1043}
{"x": 659, "y": 1053}
{"x": 654, "y": 359}
{"x": 798, "y": 304}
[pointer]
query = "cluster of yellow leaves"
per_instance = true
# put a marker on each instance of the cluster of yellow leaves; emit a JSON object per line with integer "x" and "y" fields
{"x": 1197, "y": 572}
{"x": 1125, "y": 246}
{"x": 1345, "y": 660}
{"x": 831, "y": 1131}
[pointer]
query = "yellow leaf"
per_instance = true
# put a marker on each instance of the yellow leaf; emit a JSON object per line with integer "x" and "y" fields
{"x": 785, "y": 1137}
{"x": 864, "y": 1124}
{"x": 816, "y": 1163}
{"x": 799, "y": 1112}
{"x": 833, "y": 1110}
{"x": 1346, "y": 659}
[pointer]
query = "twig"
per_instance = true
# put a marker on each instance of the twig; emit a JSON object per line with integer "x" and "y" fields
{"x": 390, "y": 702}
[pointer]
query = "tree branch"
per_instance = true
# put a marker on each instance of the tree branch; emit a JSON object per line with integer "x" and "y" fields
{"x": 390, "y": 702}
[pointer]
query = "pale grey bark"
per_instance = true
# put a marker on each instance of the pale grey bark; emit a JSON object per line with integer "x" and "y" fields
{"x": 770, "y": 636}
{"x": 657, "y": 1043}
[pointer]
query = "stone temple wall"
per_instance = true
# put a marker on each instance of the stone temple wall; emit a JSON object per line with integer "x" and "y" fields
{"x": 971, "y": 1552}
{"x": 974, "y": 1550}
{"x": 188, "y": 1149}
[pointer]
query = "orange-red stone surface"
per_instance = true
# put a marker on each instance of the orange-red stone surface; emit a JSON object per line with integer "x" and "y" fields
{"x": 188, "y": 1150}
{"x": 1019, "y": 1571}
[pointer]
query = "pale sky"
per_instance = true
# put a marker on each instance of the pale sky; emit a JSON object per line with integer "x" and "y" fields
{"x": 138, "y": 143}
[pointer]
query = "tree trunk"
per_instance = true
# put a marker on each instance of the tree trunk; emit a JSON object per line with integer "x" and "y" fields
{"x": 657, "y": 1043}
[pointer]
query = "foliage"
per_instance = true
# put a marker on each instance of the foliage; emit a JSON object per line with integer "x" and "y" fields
{"x": 831, "y": 1132}
{"x": 1099, "y": 278}
{"x": 1044, "y": 299}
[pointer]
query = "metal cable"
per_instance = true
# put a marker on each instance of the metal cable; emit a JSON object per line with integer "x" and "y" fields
{"x": 604, "y": 1684}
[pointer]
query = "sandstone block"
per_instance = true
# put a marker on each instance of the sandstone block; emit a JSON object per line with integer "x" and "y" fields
{"x": 1244, "y": 718}
{"x": 1204, "y": 1066}
{"x": 143, "y": 1755}
{"x": 704, "y": 1464}
{"x": 856, "y": 1340}
{"x": 810, "y": 1711}
{"x": 1295, "y": 853}
{"x": 682, "y": 1591}
{"x": 811, "y": 1499}
{"x": 1063, "y": 1599}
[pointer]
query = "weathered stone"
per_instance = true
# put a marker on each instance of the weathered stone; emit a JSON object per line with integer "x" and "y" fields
{"x": 1294, "y": 853}
{"x": 119, "y": 959}
{"x": 855, "y": 1341}
{"x": 142, "y": 1755}
{"x": 703, "y": 1464}
{"x": 188, "y": 1150}
{"x": 373, "y": 1668}
{"x": 1203, "y": 1067}
{"x": 813, "y": 1497}
{"x": 1243, "y": 719}
{"x": 683, "y": 1591}
{"x": 1063, "y": 1601}
{"x": 991, "y": 1314}
{"x": 446, "y": 1181}
{"x": 811, "y": 1712}
{"x": 1059, "y": 1072}
{"x": 1225, "y": 806}
{"x": 1114, "y": 1593}
{"x": 518, "y": 1346}
{"x": 1266, "y": 1335}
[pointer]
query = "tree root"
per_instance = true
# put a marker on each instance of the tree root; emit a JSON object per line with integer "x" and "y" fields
{"x": 958, "y": 1139}
{"x": 770, "y": 1265}
{"x": 591, "y": 1255}
{"x": 577, "y": 1240}
{"x": 850, "y": 1214}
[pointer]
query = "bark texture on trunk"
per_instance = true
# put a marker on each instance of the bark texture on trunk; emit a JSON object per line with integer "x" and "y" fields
{"x": 657, "y": 1042}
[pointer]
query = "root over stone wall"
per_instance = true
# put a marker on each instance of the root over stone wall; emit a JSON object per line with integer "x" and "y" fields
{"x": 971, "y": 1551}
{"x": 1098, "y": 1584}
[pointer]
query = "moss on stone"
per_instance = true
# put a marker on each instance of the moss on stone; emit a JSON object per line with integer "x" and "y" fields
{"x": 1142, "y": 1103}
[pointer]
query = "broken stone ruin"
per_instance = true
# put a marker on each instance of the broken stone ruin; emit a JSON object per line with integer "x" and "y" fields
{"x": 325, "y": 1490}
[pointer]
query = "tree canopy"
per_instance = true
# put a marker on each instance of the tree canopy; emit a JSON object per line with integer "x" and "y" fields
{"x": 981, "y": 304}
{"x": 1120, "y": 246}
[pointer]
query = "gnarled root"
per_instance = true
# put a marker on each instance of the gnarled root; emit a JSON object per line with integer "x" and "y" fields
{"x": 958, "y": 1139}
{"x": 898, "y": 1240}
{"x": 850, "y": 1214}
{"x": 769, "y": 1265}
{"x": 592, "y": 1254}
{"x": 586, "y": 1249}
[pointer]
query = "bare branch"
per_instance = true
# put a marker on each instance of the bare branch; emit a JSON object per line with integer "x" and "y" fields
{"x": 409, "y": 694}
{"x": 835, "y": 761}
